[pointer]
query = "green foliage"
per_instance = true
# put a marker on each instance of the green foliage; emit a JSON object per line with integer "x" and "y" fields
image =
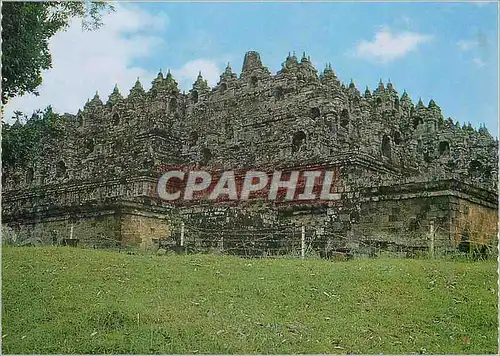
{"x": 70, "y": 300}
{"x": 26, "y": 30}
{"x": 22, "y": 142}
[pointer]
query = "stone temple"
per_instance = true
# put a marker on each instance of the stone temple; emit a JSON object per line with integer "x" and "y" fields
{"x": 403, "y": 167}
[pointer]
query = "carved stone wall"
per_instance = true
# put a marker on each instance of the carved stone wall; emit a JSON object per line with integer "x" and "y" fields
{"x": 401, "y": 163}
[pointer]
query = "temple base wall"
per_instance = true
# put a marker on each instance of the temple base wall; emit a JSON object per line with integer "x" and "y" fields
{"x": 144, "y": 229}
{"x": 99, "y": 229}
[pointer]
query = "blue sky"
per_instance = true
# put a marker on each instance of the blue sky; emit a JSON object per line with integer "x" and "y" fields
{"x": 444, "y": 51}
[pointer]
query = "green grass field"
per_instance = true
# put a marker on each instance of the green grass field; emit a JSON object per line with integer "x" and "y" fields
{"x": 69, "y": 300}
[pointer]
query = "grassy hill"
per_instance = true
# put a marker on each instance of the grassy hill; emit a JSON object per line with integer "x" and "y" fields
{"x": 69, "y": 300}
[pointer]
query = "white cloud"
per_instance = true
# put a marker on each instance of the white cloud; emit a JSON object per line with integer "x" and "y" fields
{"x": 481, "y": 3}
{"x": 478, "y": 62}
{"x": 187, "y": 74}
{"x": 478, "y": 49}
{"x": 83, "y": 62}
{"x": 388, "y": 46}
{"x": 481, "y": 41}
{"x": 467, "y": 45}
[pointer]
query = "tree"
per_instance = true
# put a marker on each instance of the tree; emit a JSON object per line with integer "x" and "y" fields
{"x": 26, "y": 30}
{"x": 22, "y": 142}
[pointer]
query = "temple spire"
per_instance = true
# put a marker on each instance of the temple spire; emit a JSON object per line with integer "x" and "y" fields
{"x": 137, "y": 90}
{"x": 432, "y": 104}
{"x": 405, "y": 98}
{"x": 420, "y": 104}
{"x": 304, "y": 58}
{"x": 170, "y": 82}
{"x": 328, "y": 69}
{"x": 157, "y": 83}
{"x": 328, "y": 76}
{"x": 228, "y": 73}
{"x": 200, "y": 83}
{"x": 115, "y": 96}
{"x": 96, "y": 99}
{"x": 138, "y": 84}
{"x": 368, "y": 93}
{"x": 251, "y": 62}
